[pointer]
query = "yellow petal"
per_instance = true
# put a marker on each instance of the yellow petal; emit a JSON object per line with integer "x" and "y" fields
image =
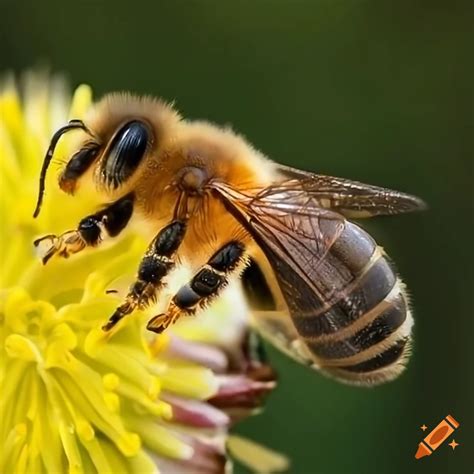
{"x": 81, "y": 102}
{"x": 160, "y": 440}
{"x": 257, "y": 457}
{"x": 194, "y": 382}
{"x": 22, "y": 348}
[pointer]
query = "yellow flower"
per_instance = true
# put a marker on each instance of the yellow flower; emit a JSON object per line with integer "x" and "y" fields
{"x": 75, "y": 399}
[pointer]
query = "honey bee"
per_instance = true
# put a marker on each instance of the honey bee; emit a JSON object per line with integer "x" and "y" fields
{"x": 217, "y": 203}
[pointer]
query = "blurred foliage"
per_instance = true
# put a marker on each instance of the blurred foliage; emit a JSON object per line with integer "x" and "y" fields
{"x": 379, "y": 91}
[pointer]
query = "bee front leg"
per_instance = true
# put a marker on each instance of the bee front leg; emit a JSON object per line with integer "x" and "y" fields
{"x": 157, "y": 262}
{"x": 90, "y": 231}
{"x": 205, "y": 285}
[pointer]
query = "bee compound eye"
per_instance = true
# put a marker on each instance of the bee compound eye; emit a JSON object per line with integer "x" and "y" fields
{"x": 127, "y": 149}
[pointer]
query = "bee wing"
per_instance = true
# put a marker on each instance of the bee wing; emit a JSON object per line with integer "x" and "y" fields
{"x": 295, "y": 235}
{"x": 319, "y": 259}
{"x": 351, "y": 198}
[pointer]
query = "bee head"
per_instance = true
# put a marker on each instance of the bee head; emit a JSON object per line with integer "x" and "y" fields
{"x": 119, "y": 157}
{"x": 116, "y": 158}
{"x": 121, "y": 131}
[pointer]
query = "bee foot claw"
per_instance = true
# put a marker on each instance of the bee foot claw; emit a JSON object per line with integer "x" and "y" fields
{"x": 63, "y": 245}
{"x": 46, "y": 247}
{"x": 158, "y": 323}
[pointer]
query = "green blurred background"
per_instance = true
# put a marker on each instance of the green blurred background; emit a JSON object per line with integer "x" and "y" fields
{"x": 378, "y": 91}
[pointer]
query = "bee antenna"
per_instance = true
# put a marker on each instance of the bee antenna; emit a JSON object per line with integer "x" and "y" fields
{"x": 71, "y": 125}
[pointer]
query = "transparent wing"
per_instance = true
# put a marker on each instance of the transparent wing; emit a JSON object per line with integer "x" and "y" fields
{"x": 295, "y": 235}
{"x": 350, "y": 198}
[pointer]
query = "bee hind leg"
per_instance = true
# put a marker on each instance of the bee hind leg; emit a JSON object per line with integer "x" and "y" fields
{"x": 158, "y": 261}
{"x": 205, "y": 286}
{"x": 90, "y": 231}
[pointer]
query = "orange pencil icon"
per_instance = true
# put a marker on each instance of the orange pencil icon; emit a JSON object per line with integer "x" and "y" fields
{"x": 437, "y": 437}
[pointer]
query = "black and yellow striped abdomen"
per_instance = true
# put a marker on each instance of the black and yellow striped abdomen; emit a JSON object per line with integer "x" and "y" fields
{"x": 359, "y": 331}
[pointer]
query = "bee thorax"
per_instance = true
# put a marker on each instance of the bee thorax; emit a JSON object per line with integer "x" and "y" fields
{"x": 192, "y": 179}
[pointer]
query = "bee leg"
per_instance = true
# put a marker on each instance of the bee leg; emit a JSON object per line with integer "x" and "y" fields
{"x": 90, "y": 231}
{"x": 155, "y": 265}
{"x": 205, "y": 285}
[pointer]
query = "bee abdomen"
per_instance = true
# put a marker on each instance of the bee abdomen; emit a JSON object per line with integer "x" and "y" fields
{"x": 371, "y": 350}
{"x": 361, "y": 335}
{"x": 374, "y": 348}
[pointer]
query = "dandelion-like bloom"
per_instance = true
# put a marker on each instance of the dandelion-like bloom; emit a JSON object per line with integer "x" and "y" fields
{"x": 75, "y": 399}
